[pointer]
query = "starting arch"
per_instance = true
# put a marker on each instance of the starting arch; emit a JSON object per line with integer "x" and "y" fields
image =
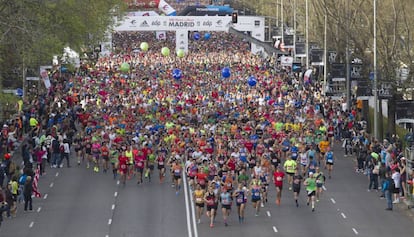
{"x": 182, "y": 25}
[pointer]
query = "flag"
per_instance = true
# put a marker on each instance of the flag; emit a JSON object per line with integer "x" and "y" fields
{"x": 35, "y": 183}
{"x": 286, "y": 61}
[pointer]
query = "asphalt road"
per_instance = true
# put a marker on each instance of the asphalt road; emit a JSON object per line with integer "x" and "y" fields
{"x": 77, "y": 202}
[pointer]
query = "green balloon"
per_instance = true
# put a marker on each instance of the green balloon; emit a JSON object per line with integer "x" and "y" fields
{"x": 124, "y": 67}
{"x": 165, "y": 51}
{"x": 180, "y": 53}
{"x": 144, "y": 46}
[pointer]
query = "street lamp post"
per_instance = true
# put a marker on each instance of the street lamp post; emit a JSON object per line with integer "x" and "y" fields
{"x": 375, "y": 74}
{"x": 325, "y": 54}
{"x": 307, "y": 33}
{"x": 282, "y": 21}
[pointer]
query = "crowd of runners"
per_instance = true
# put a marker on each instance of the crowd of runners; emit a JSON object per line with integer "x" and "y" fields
{"x": 231, "y": 139}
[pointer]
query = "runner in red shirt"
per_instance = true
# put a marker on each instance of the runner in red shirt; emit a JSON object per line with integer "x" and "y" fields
{"x": 123, "y": 166}
{"x": 278, "y": 176}
{"x": 139, "y": 160}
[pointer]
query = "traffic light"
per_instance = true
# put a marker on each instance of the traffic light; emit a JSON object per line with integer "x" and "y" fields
{"x": 234, "y": 17}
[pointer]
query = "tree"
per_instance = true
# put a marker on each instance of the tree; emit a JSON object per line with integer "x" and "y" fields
{"x": 32, "y": 31}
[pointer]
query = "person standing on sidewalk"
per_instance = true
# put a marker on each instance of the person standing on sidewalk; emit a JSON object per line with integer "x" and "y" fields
{"x": 396, "y": 176}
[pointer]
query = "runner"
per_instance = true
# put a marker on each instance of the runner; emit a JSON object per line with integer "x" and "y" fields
{"x": 323, "y": 148}
{"x": 296, "y": 184}
{"x": 105, "y": 156}
{"x": 303, "y": 160}
{"x": 290, "y": 167}
{"x": 87, "y": 145}
{"x": 123, "y": 167}
{"x": 198, "y": 197}
{"x": 161, "y": 165}
{"x": 240, "y": 194}
{"x": 96, "y": 151}
{"x": 140, "y": 163}
{"x": 278, "y": 176}
{"x": 130, "y": 155}
{"x": 150, "y": 162}
{"x": 320, "y": 180}
{"x": 329, "y": 162}
{"x": 177, "y": 170}
{"x": 77, "y": 141}
{"x": 225, "y": 199}
{"x": 255, "y": 191}
{"x": 210, "y": 199}
{"x": 310, "y": 184}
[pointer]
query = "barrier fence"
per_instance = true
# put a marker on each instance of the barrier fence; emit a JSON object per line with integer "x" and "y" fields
{"x": 409, "y": 155}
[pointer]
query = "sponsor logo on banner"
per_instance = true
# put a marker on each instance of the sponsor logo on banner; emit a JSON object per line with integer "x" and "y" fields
{"x": 181, "y": 23}
{"x": 286, "y": 61}
{"x": 133, "y": 22}
{"x": 219, "y": 23}
{"x": 156, "y": 23}
{"x": 144, "y": 24}
{"x": 207, "y": 23}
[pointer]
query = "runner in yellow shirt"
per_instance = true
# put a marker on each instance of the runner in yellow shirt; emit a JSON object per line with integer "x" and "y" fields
{"x": 290, "y": 167}
{"x": 323, "y": 148}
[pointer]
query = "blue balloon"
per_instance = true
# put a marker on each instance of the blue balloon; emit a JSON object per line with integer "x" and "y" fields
{"x": 207, "y": 36}
{"x": 19, "y": 92}
{"x": 252, "y": 81}
{"x": 177, "y": 74}
{"x": 196, "y": 36}
{"x": 226, "y": 72}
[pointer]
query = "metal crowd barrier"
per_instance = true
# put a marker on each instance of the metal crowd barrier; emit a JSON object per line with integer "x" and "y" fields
{"x": 409, "y": 155}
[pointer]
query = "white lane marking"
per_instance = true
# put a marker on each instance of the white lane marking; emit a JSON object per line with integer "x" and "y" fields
{"x": 343, "y": 215}
{"x": 187, "y": 208}
{"x": 31, "y": 224}
{"x": 106, "y": 235}
{"x": 51, "y": 184}
{"x": 115, "y": 194}
{"x": 113, "y": 207}
{"x": 333, "y": 201}
{"x": 355, "y": 231}
{"x": 45, "y": 196}
{"x": 118, "y": 182}
{"x": 38, "y": 209}
{"x": 109, "y": 221}
{"x": 274, "y": 229}
{"x": 323, "y": 187}
{"x": 268, "y": 214}
{"x": 57, "y": 174}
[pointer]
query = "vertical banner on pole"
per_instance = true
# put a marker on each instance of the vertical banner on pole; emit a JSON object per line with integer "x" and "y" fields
{"x": 181, "y": 40}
